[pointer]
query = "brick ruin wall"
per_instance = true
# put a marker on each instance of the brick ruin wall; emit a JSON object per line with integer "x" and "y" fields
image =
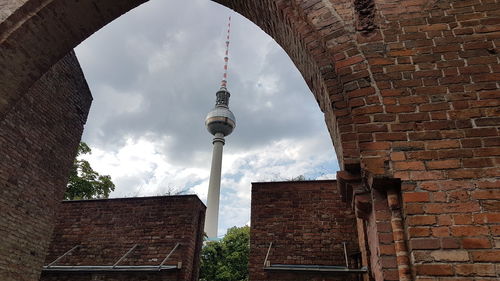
{"x": 38, "y": 140}
{"x": 106, "y": 229}
{"x": 410, "y": 93}
{"x": 307, "y": 223}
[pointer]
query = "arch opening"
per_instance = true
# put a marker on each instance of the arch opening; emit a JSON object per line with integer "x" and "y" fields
{"x": 410, "y": 96}
{"x": 58, "y": 30}
{"x": 152, "y": 87}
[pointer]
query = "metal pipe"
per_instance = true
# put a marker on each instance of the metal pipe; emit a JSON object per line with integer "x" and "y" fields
{"x": 321, "y": 268}
{"x": 124, "y": 256}
{"x": 168, "y": 256}
{"x": 267, "y": 255}
{"x": 71, "y": 250}
{"x": 108, "y": 268}
{"x": 345, "y": 255}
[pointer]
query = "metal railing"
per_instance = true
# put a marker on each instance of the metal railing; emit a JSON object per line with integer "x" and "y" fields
{"x": 315, "y": 268}
{"x": 51, "y": 267}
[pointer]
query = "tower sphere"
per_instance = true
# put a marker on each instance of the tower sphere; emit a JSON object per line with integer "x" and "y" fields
{"x": 221, "y": 119}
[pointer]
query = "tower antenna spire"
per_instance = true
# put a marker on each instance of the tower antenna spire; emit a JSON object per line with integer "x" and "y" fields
{"x": 223, "y": 84}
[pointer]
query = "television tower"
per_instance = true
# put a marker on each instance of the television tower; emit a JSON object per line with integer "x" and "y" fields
{"x": 220, "y": 122}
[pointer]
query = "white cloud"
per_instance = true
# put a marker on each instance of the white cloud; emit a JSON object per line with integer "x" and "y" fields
{"x": 140, "y": 162}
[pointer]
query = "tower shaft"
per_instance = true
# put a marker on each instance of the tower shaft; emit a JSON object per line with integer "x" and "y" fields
{"x": 212, "y": 215}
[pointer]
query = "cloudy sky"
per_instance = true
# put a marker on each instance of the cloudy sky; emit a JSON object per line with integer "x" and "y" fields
{"x": 154, "y": 73}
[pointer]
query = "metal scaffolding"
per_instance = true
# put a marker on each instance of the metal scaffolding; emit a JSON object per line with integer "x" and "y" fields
{"x": 313, "y": 268}
{"x": 51, "y": 267}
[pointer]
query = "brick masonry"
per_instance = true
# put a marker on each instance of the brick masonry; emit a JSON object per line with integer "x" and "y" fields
{"x": 38, "y": 140}
{"x": 410, "y": 93}
{"x": 307, "y": 223}
{"x": 107, "y": 229}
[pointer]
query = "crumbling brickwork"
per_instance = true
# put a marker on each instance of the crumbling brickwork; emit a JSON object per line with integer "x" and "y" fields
{"x": 413, "y": 110}
{"x": 38, "y": 140}
{"x": 410, "y": 93}
{"x": 307, "y": 223}
{"x": 106, "y": 229}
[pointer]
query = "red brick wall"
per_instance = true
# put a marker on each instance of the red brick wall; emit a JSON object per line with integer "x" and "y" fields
{"x": 411, "y": 98}
{"x": 410, "y": 93}
{"x": 38, "y": 140}
{"x": 307, "y": 223}
{"x": 107, "y": 229}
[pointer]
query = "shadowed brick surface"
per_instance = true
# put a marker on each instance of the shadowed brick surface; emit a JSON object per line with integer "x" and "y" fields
{"x": 107, "y": 229}
{"x": 307, "y": 223}
{"x": 38, "y": 140}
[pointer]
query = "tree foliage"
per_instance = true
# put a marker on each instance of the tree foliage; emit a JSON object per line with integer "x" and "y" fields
{"x": 227, "y": 259}
{"x": 84, "y": 182}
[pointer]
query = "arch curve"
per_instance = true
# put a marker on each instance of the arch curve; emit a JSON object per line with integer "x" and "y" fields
{"x": 38, "y": 34}
{"x": 409, "y": 89}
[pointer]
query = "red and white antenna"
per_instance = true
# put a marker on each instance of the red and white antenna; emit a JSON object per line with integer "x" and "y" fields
{"x": 226, "y": 57}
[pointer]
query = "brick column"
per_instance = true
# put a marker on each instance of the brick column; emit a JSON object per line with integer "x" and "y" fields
{"x": 398, "y": 235}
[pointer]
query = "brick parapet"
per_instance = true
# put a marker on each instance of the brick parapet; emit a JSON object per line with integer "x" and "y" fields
{"x": 307, "y": 223}
{"x": 106, "y": 229}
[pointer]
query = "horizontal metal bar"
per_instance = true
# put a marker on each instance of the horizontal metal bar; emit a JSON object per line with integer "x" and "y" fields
{"x": 317, "y": 268}
{"x": 108, "y": 268}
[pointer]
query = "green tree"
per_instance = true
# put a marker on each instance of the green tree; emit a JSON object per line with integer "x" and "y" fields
{"x": 84, "y": 182}
{"x": 227, "y": 259}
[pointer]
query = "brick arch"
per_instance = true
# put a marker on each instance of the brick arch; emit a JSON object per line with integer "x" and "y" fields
{"x": 40, "y": 103}
{"x": 409, "y": 89}
{"x": 45, "y": 31}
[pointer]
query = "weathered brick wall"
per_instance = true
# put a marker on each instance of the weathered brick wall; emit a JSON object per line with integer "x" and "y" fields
{"x": 412, "y": 103}
{"x": 107, "y": 229}
{"x": 410, "y": 93}
{"x": 307, "y": 223}
{"x": 435, "y": 127}
{"x": 38, "y": 140}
